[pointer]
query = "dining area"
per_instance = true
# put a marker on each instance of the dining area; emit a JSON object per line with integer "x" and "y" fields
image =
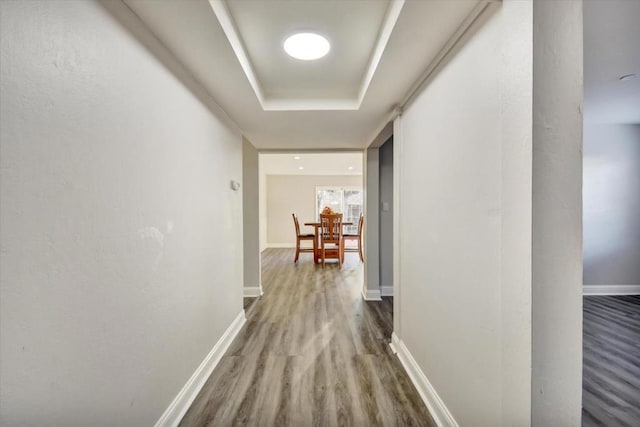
{"x": 332, "y": 237}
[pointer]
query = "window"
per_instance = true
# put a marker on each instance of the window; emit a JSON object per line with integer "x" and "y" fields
{"x": 346, "y": 200}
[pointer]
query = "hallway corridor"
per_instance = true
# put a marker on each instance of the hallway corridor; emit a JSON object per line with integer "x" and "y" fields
{"x": 312, "y": 352}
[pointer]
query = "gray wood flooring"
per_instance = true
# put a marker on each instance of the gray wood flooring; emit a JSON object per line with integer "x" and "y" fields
{"x": 611, "y": 361}
{"x": 312, "y": 353}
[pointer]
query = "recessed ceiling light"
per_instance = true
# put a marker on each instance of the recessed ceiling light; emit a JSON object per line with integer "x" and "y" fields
{"x": 306, "y": 46}
{"x": 628, "y": 77}
{"x": 350, "y": 168}
{"x": 296, "y": 157}
{"x": 301, "y": 167}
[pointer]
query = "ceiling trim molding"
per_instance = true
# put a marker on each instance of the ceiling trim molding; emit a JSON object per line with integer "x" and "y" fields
{"x": 229, "y": 27}
{"x": 393, "y": 12}
{"x": 221, "y": 10}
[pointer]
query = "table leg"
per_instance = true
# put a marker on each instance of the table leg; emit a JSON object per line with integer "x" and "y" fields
{"x": 316, "y": 250}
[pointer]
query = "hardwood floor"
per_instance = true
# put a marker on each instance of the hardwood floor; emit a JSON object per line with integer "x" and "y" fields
{"x": 611, "y": 361}
{"x": 312, "y": 353}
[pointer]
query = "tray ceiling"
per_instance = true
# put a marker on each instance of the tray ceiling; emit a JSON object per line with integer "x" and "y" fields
{"x": 357, "y": 30}
{"x": 380, "y": 51}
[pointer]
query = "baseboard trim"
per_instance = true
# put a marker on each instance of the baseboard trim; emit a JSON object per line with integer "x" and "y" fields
{"x": 436, "y": 406}
{"x": 371, "y": 294}
{"x": 280, "y": 245}
{"x": 611, "y": 290}
{"x": 395, "y": 341}
{"x": 386, "y": 291}
{"x": 252, "y": 291}
{"x": 176, "y": 410}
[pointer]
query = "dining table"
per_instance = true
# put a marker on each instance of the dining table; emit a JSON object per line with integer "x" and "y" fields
{"x": 316, "y": 240}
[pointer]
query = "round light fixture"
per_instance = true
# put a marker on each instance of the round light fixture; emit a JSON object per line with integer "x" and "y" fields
{"x": 627, "y": 77}
{"x": 296, "y": 157}
{"x": 301, "y": 167}
{"x": 350, "y": 168}
{"x": 306, "y": 46}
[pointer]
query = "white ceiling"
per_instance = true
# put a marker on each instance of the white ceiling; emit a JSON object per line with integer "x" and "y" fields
{"x": 290, "y": 84}
{"x": 312, "y": 164}
{"x": 233, "y": 49}
{"x": 611, "y": 50}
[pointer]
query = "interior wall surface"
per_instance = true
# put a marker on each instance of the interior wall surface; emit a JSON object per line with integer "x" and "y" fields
{"x": 287, "y": 194}
{"x": 464, "y": 224}
{"x": 611, "y": 198}
{"x": 121, "y": 249}
{"x": 250, "y": 187}
{"x": 386, "y": 216}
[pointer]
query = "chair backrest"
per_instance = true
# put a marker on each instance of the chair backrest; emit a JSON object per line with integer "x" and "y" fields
{"x": 295, "y": 222}
{"x": 331, "y": 226}
{"x": 360, "y": 224}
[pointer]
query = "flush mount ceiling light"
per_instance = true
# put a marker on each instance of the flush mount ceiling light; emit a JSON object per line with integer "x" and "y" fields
{"x": 296, "y": 157}
{"x": 306, "y": 46}
{"x": 627, "y": 77}
{"x": 301, "y": 167}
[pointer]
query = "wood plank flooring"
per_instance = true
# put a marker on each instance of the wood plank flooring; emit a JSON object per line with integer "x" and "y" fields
{"x": 312, "y": 353}
{"x": 611, "y": 361}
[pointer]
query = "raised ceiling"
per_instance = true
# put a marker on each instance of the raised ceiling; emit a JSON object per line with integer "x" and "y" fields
{"x": 380, "y": 49}
{"x": 338, "y": 81}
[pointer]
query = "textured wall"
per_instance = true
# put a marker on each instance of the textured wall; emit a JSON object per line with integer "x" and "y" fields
{"x": 450, "y": 231}
{"x": 121, "y": 249}
{"x": 556, "y": 264}
{"x": 465, "y": 149}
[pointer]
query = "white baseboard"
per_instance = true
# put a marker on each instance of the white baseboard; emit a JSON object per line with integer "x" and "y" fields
{"x": 176, "y": 410}
{"x": 611, "y": 290}
{"x": 371, "y": 294}
{"x": 281, "y": 245}
{"x": 436, "y": 406}
{"x": 386, "y": 291}
{"x": 252, "y": 291}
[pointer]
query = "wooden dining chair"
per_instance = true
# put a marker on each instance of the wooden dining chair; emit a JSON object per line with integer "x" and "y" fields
{"x": 300, "y": 237}
{"x": 331, "y": 237}
{"x": 357, "y": 237}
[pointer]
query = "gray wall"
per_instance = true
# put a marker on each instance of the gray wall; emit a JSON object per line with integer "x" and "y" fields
{"x": 611, "y": 194}
{"x": 386, "y": 217}
{"x": 371, "y": 284}
{"x": 250, "y": 216}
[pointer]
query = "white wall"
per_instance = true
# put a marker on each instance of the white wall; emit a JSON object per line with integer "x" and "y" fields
{"x": 450, "y": 231}
{"x": 287, "y": 194}
{"x": 465, "y": 224}
{"x": 611, "y": 204}
{"x": 490, "y": 219}
{"x": 556, "y": 262}
{"x": 121, "y": 250}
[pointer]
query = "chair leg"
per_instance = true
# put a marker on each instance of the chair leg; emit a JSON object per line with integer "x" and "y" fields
{"x": 297, "y": 250}
{"x": 360, "y": 249}
{"x": 340, "y": 253}
{"x": 323, "y": 256}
